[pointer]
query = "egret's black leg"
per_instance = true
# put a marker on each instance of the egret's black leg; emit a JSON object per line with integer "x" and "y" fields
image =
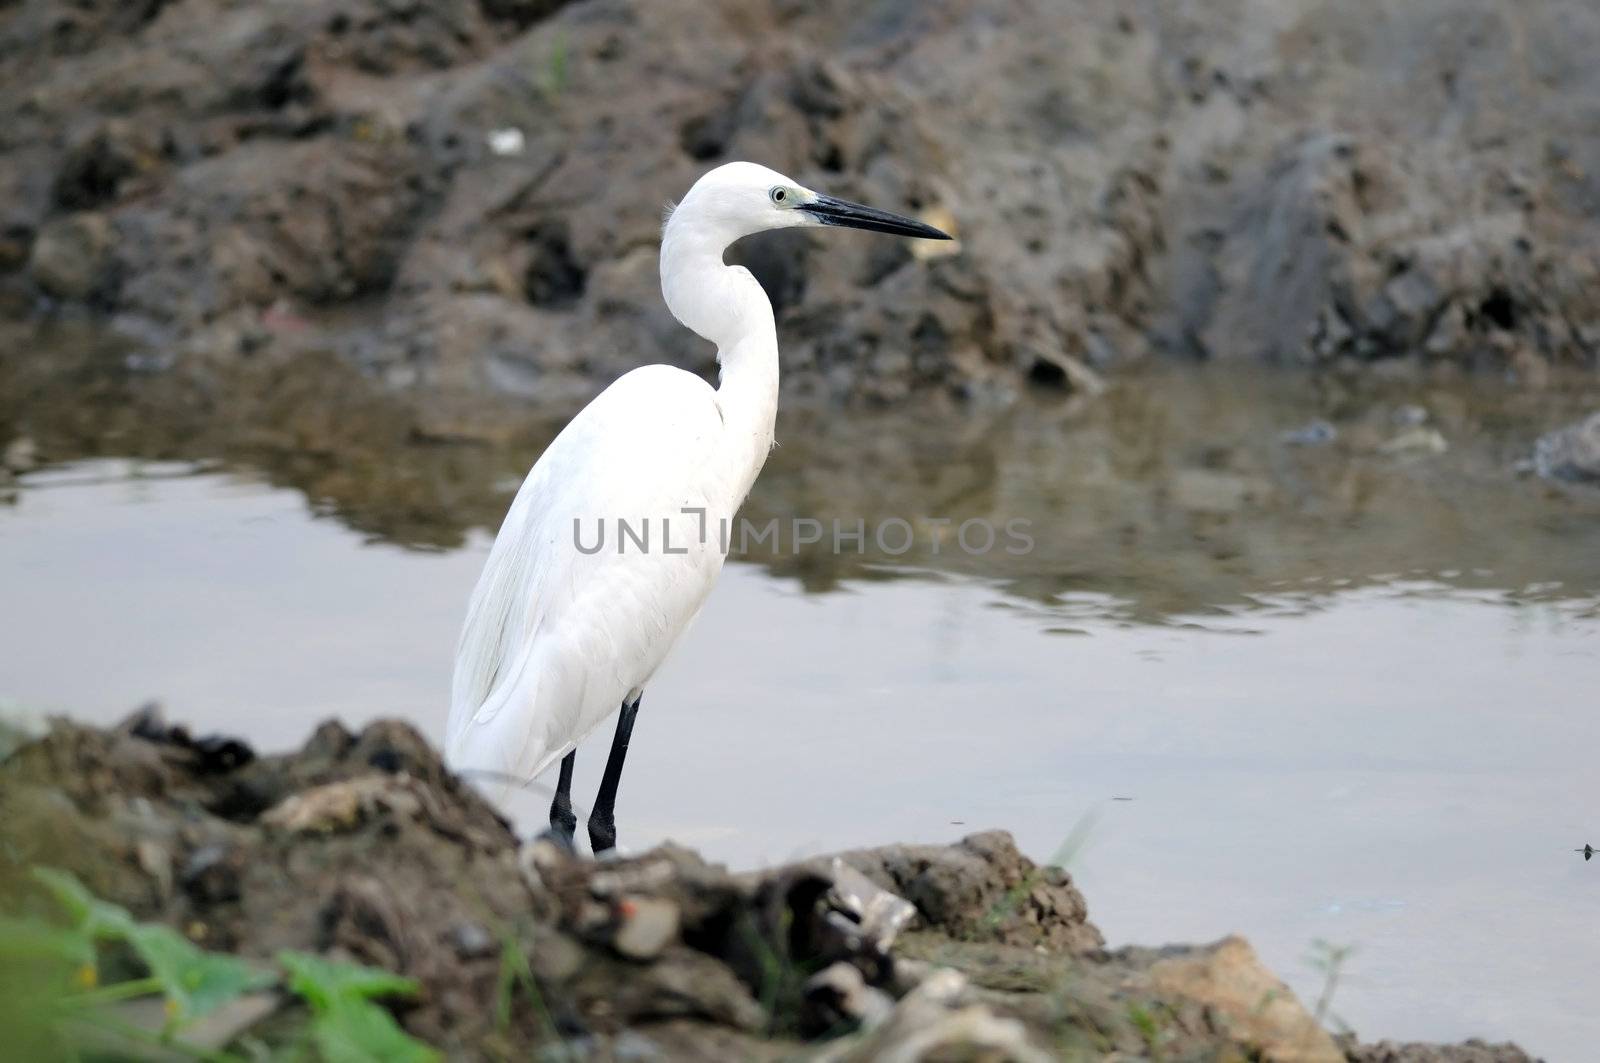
{"x": 563, "y": 823}
{"x": 602, "y": 821}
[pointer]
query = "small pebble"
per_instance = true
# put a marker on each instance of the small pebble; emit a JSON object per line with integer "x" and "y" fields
{"x": 209, "y": 876}
{"x": 649, "y": 924}
{"x": 1416, "y": 442}
{"x": 840, "y": 993}
{"x": 632, "y": 1045}
{"x": 471, "y": 941}
{"x": 1312, "y": 434}
{"x": 21, "y": 455}
{"x": 1571, "y": 453}
{"x": 155, "y": 862}
{"x": 508, "y": 141}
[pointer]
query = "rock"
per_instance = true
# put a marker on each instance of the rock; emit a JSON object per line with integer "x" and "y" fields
{"x": 211, "y": 875}
{"x": 1571, "y": 453}
{"x": 985, "y": 889}
{"x": 1258, "y": 1009}
{"x": 871, "y": 912}
{"x": 71, "y": 257}
{"x": 155, "y": 861}
{"x": 471, "y": 941}
{"x": 86, "y": 764}
{"x": 838, "y": 998}
{"x": 18, "y": 727}
{"x": 97, "y": 167}
{"x": 221, "y": 753}
{"x": 343, "y": 805}
{"x": 508, "y": 141}
{"x": 1316, "y": 433}
{"x": 1415, "y": 443}
{"x": 210, "y": 753}
{"x": 929, "y": 1023}
{"x": 522, "y": 12}
{"x": 396, "y": 749}
{"x": 20, "y": 455}
{"x": 908, "y": 974}
{"x": 679, "y": 983}
{"x": 1467, "y": 1052}
{"x": 648, "y": 924}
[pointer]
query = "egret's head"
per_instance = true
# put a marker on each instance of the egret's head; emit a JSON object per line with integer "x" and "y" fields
{"x": 741, "y": 198}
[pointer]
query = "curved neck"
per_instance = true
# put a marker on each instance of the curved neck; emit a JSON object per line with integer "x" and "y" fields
{"x": 725, "y": 305}
{"x": 719, "y": 302}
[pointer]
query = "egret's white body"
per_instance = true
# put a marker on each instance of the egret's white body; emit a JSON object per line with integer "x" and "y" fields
{"x": 556, "y": 638}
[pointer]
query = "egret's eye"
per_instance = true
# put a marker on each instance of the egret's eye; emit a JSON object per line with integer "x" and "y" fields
{"x": 779, "y": 196}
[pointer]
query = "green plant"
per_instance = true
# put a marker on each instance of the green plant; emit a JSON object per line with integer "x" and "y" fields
{"x": 1065, "y": 853}
{"x": 51, "y": 992}
{"x": 194, "y": 982}
{"x": 516, "y": 971}
{"x": 1330, "y": 960}
{"x": 555, "y": 74}
{"x": 346, "y": 1026}
{"x": 1145, "y": 1023}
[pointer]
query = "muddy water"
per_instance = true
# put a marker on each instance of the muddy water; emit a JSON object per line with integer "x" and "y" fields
{"x": 1342, "y": 691}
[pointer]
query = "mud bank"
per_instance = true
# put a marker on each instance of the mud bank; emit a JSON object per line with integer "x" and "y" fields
{"x": 464, "y": 198}
{"x": 362, "y": 847}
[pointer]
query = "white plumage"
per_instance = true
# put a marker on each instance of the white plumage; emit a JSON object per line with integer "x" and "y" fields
{"x": 557, "y": 637}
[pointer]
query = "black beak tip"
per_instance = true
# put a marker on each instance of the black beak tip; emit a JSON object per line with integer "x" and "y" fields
{"x": 830, "y": 211}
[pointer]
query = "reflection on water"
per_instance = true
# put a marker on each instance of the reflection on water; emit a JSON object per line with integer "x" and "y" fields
{"x": 1349, "y": 688}
{"x": 1177, "y": 494}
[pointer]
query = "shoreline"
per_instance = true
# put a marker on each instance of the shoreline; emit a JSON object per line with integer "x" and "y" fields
{"x": 362, "y": 847}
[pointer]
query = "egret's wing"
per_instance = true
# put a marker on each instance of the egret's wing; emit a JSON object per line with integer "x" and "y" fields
{"x": 555, "y": 635}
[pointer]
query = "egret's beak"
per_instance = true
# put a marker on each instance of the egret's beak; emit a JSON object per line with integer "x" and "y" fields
{"x": 830, "y": 211}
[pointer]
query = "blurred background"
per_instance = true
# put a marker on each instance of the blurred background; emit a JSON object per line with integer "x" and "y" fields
{"x": 1277, "y": 319}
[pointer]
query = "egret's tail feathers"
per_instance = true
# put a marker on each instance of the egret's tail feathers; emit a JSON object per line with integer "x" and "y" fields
{"x": 502, "y": 751}
{"x": 483, "y": 756}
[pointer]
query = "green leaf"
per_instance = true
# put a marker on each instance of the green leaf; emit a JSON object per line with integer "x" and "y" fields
{"x": 195, "y": 981}
{"x": 22, "y": 939}
{"x": 96, "y": 918}
{"x": 321, "y": 981}
{"x": 347, "y": 1027}
{"x": 352, "y": 1029}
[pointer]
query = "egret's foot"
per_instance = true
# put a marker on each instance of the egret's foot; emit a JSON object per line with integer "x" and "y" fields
{"x": 563, "y": 825}
{"x": 561, "y": 839}
{"x": 563, "y": 821}
{"x": 602, "y": 834}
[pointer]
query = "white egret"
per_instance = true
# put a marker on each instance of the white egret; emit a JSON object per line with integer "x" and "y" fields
{"x": 558, "y": 634}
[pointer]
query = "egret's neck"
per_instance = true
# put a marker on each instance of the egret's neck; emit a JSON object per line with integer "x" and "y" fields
{"x": 726, "y": 306}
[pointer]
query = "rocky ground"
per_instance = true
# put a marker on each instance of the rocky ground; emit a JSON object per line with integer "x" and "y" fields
{"x": 363, "y": 847}
{"x": 463, "y": 198}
